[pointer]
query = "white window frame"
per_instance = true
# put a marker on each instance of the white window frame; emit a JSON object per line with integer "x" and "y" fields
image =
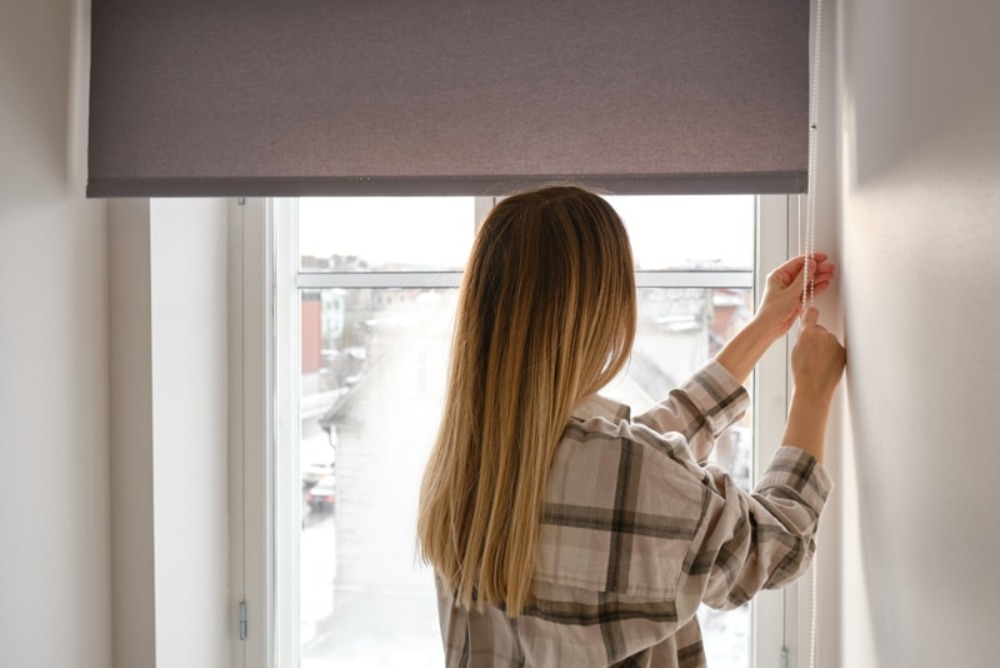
{"x": 264, "y": 284}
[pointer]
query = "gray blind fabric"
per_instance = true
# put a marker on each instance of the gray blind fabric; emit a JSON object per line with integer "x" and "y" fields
{"x": 473, "y": 97}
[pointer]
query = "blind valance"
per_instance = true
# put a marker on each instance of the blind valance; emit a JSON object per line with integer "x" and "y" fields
{"x": 473, "y": 97}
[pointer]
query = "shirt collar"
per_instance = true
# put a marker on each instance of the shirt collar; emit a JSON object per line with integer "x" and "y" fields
{"x": 597, "y": 406}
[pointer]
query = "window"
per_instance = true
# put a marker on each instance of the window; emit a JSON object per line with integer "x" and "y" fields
{"x": 365, "y": 292}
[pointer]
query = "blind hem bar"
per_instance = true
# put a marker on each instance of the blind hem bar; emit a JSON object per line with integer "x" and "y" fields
{"x": 768, "y": 183}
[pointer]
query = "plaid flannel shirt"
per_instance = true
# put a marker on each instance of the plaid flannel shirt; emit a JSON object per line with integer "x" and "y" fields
{"x": 638, "y": 531}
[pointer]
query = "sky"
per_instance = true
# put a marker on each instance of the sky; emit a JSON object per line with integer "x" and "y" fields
{"x": 436, "y": 232}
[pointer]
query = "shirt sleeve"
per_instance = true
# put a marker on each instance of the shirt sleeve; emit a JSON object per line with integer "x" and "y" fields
{"x": 700, "y": 409}
{"x": 763, "y": 540}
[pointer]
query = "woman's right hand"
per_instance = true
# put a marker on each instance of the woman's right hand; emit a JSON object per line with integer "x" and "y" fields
{"x": 818, "y": 359}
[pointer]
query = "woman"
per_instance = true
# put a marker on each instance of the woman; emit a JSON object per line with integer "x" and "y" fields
{"x": 565, "y": 532}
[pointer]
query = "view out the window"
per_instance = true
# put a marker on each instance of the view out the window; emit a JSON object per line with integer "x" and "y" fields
{"x": 373, "y": 365}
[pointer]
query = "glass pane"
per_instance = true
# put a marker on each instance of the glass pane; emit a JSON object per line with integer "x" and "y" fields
{"x": 374, "y": 366}
{"x": 678, "y": 330}
{"x": 385, "y": 233}
{"x": 690, "y": 232}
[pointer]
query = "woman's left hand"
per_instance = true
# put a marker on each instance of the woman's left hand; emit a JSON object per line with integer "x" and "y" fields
{"x": 782, "y": 301}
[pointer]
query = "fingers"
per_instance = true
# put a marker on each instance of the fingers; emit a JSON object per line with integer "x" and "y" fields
{"x": 810, "y": 317}
{"x": 819, "y": 269}
{"x": 819, "y": 258}
{"x": 818, "y": 358}
{"x": 783, "y": 301}
{"x": 821, "y": 274}
{"x": 820, "y": 287}
{"x": 791, "y": 271}
{"x": 792, "y": 266}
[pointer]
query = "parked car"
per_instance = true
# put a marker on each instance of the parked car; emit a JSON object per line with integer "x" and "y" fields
{"x": 323, "y": 495}
{"x": 316, "y": 471}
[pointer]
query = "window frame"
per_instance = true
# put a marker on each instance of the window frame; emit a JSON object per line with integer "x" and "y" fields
{"x": 265, "y": 283}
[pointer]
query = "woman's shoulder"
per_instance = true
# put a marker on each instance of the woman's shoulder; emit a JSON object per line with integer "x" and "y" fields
{"x": 619, "y": 491}
{"x": 602, "y": 428}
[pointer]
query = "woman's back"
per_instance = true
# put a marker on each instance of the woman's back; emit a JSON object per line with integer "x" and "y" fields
{"x": 635, "y": 534}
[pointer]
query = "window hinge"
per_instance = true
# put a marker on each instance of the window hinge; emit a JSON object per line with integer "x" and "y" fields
{"x": 784, "y": 657}
{"x": 243, "y": 620}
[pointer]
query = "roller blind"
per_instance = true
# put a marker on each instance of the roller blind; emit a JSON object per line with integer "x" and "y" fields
{"x": 471, "y": 97}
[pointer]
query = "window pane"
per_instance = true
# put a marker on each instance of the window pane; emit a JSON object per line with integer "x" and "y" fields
{"x": 677, "y": 331}
{"x": 385, "y": 233}
{"x": 690, "y": 232}
{"x": 375, "y": 383}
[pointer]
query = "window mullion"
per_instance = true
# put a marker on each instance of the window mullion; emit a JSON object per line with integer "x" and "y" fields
{"x": 770, "y": 401}
{"x": 287, "y": 333}
{"x": 412, "y": 279}
{"x": 452, "y": 279}
{"x": 694, "y": 279}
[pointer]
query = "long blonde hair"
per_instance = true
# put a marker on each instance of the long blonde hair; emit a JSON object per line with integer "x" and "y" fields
{"x": 546, "y": 317}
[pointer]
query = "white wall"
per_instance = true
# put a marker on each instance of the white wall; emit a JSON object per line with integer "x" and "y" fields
{"x": 169, "y": 394}
{"x": 55, "y": 573}
{"x": 112, "y": 357}
{"x": 919, "y": 92}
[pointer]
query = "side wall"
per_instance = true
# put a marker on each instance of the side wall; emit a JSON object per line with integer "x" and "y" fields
{"x": 919, "y": 92}
{"x": 132, "y": 520}
{"x": 55, "y": 572}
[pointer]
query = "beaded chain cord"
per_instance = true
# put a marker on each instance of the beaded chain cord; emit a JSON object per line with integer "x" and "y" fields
{"x": 808, "y": 247}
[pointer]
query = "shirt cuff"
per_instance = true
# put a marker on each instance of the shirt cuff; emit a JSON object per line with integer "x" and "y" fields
{"x": 718, "y": 396}
{"x": 794, "y": 468}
